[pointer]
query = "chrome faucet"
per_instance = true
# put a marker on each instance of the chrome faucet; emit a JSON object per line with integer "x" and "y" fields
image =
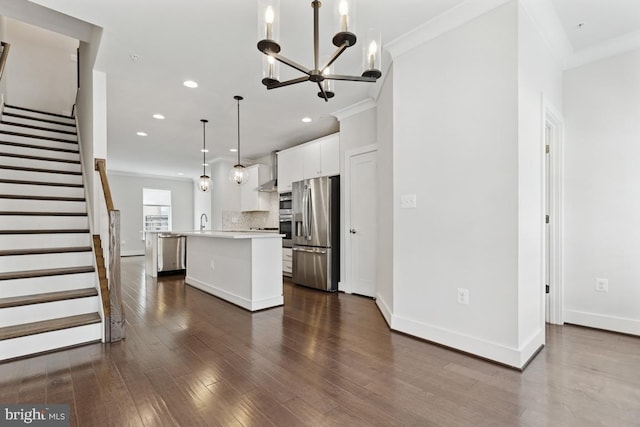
{"x": 204, "y": 215}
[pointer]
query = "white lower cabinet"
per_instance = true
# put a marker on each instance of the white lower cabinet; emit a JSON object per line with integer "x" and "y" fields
{"x": 287, "y": 262}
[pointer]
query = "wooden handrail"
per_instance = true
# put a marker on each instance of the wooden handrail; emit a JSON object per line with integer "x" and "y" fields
{"x": 3, "y": 58}
{"x": 101, "y": 167}
{"x": 115, "y": 321}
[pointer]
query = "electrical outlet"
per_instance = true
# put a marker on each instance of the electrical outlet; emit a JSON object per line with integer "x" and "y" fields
{"x": 463, "y": 296}
{"x": 602, "y": 285}
{"x": 408, "y": 201}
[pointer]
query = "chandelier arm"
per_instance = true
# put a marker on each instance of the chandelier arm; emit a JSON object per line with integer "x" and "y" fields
{"x": 291, "y": 63}
{"x": 288, "y": 82}
{"x": 335, "y": 56}
{"x": 322, "y": 92}
{"x": 350, "y": 78}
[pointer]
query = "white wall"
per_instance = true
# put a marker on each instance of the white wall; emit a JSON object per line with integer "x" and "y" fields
{"x": 39, "y": 68}
{"x": 127, "y": 197}
{"x": 201, "y": 205}
{"x": 384, "y": 265}
{"x": 455, "y": 148}
{"x": 539, "y": 78}
{"x": 225, "y": 195}
{"x": 602, "y": 205}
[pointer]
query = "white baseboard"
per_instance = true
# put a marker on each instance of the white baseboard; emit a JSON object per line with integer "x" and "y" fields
{"x": 384, "y": 309}
{"x": 251, "y": 305}
{"x": 489, "y": 350}
{"x": 600, "y": 321}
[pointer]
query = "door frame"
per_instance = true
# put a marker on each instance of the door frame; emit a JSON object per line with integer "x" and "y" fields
{"x": 552, "y": 117}
{"x": 346, "y": 285}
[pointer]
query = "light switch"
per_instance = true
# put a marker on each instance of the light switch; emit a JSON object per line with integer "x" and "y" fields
{"x": 408, "y": 201}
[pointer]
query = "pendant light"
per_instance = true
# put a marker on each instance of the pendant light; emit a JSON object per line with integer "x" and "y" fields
{"x": 205, "y": 182}
{"x": 239, "y": 173}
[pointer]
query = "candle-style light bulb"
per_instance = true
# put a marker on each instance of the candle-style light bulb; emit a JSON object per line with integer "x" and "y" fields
{"x": 269, "y": 16}
{"x": 271, "y": 62}
{"x": 373, "y": 48}
{"x": 343, "y": 9}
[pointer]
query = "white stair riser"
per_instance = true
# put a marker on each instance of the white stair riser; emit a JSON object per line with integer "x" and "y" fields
{"x": 40, "y": 164}
{"x": 26, "y": 222}
{"x": 40, "y": 285}
{"x": 49, "y": 341}
{"x": 47, "y": 311}
{"x": 40, "y": 133}
{"x": 39, "y": 115}
{"x": 28, "y": 241}
{"x": 38, "y": 123}
{"x": 42, "y": 205}
{"x": 41, "y": 152}
{"x": 39, "y": 141}
{"x": 41, "y": 190}
{"x": 9, "y": 263}
{"x": 40, "y": 176}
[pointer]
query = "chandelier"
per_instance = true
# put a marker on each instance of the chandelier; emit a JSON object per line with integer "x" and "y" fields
{"x": 204, "y": 184}
{"x": 320, "y": 74}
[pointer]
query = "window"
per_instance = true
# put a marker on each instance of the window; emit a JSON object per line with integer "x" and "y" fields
{"x": 156, "y": 210}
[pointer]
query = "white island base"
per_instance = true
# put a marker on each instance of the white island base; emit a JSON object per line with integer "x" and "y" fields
{"x": 242, "y": 268}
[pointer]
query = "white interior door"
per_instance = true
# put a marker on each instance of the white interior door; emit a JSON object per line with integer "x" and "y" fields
{"x": 547, "y": 226}
{"x": 362, "y": 223}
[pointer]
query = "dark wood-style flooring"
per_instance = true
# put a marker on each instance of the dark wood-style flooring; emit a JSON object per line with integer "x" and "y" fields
{"x": 190, "y": 359}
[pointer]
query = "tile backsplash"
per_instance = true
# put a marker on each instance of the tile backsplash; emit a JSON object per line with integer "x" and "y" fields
{"x": 234, "y": 220}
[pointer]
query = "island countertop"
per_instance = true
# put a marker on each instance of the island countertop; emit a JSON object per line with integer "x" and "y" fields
{"x": 231, "y": 234}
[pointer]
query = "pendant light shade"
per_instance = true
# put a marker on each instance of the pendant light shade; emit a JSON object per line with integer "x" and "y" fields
{"x": 238, "y": 173}
{"x": 204, "y": 184}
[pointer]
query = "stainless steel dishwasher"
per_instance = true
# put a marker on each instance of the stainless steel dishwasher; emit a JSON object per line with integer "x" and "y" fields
{"x": 172, "y": 252}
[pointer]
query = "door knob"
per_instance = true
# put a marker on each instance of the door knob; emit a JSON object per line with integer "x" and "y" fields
{"x": 352, "y": 231}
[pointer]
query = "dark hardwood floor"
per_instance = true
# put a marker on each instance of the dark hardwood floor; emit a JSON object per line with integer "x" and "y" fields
{"x": 190, "y": 359}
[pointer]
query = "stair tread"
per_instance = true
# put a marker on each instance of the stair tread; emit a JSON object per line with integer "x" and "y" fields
{"x": 20, "y": 168}
{"x": 26, "y": 329}
{"x": 40, "y": 251}
{"x": 31, "y": 197}
{"x": 23, "y": 125}
{"x": 47, "y": 297}
{"x": 29, "y": 135}
{"x": 51, "y": 184}
{"x": 37, "y": 111}
{"x": 22, "y": 116}
{"x": 34, "y": 213}
{"x": 45, "y": 159}
{"x": 46, "y": 272}
{"x": 39, "y": 147}
{"x": 47, "y": 231}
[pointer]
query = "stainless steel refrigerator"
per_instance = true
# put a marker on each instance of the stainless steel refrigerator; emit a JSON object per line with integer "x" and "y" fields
{"x": 316, "y": 232}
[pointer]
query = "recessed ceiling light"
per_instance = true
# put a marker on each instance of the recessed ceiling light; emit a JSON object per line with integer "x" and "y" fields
{"x": 204, "y": 150}
{"x": 306, "y": 119}
{"x": 190, "y": 83}
{"x": 141, "y": 133}
{"x": 158, "y": 116}
{"x": 205, "y": 164}
{"x": 233, "y": 150}
{"x": 180, "y": 174}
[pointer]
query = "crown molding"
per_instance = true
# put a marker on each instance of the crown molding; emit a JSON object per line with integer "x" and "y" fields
{"x": 545, "y": 19}
{"x": 612, "y": 47}
{"x": 146, "y": 175}
{"x": 445, "y": 22}
{"x": 359, "y": 107}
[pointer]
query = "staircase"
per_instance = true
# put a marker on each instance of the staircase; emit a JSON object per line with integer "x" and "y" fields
{"x": 48, "y": 284}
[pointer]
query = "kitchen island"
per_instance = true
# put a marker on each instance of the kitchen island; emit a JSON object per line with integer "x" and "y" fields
{"x": 242, "y": 267}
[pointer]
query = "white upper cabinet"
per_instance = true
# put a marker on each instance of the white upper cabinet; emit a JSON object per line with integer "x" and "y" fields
{"x": 289, "y": 168}
{"x": 330, "y": 155}
{"x": 250, "y": 198}
{"x": 320, "y": 157}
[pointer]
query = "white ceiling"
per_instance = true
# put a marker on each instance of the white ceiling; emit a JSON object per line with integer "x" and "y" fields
{"x": 214, "y": 43}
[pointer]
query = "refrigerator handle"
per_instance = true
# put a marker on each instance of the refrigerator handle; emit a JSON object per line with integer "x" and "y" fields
{"x": 304, "y": 213}
{"x": 309, "y": 213}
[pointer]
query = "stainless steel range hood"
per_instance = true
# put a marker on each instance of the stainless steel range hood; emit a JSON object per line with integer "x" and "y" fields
{"x": 272, "y": 184}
